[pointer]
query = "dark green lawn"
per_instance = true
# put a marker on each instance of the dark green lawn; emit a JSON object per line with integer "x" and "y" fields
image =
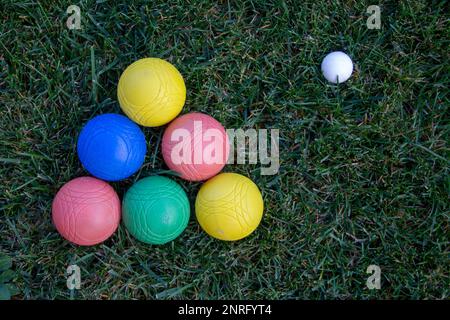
{"x": 363, "y": 166}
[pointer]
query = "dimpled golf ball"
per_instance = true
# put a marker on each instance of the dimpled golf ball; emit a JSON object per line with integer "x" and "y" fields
{"x": 86, "y": 211}
{"x": 337, "y": 67}
{"x": 155, "y": 210}
{"x": 151, "y": 92}
{"x": 229, "y": 206}
{"x": 196, "y": 146}
{"x": 111, "y": 147}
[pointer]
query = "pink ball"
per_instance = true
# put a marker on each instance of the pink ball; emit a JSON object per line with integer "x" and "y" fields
{"x": 196, "y": 146}
{"x": 86, "y": 211}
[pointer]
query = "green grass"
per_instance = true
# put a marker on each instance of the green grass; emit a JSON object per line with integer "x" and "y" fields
{"x": 364, "y": 166}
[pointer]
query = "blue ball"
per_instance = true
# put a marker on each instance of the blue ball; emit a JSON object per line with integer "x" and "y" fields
{"x": 111, "y": 147}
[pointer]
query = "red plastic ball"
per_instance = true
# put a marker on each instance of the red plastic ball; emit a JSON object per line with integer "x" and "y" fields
{"x": 196, "y": 146}
{"x": 86, "y": 211}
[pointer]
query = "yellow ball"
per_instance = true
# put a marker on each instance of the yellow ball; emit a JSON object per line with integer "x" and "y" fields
{"x": 229, "y": 206}
{"x": 151, "y": 92}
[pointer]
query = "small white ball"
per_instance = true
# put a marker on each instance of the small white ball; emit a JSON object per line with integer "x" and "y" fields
{"x": 337, "y": 66}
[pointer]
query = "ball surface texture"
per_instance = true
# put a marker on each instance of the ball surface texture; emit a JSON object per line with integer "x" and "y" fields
{"x": 196, "y": 146}
{"x": 155, "y": 210}
{"x": 151, "y": 92}
{"x": 229, "y": 206}
{"x": 337, "y": 67}
{"x": 111, "y": 147}
{"x": 86, "y": 211}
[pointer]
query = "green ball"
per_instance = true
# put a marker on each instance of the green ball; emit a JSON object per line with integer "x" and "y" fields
{"x": 155, "y": 210}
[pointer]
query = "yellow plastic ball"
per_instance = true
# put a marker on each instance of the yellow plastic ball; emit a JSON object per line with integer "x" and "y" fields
{"x": 229, "y": 206}
{"x": 151, "y": 92}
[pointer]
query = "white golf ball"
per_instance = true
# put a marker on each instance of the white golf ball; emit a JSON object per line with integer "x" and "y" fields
{"x": 337, "y": 67}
